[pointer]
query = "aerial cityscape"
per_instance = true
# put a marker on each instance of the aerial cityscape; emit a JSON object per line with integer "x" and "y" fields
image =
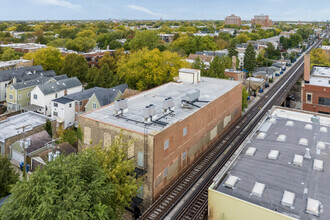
{"x": 165, "y": 110}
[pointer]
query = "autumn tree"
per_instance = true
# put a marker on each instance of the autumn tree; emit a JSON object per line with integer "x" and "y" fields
{"x": 143, "y": 39}
{"x": 319, "y": 57}
{"x": 8, "y": 176}
{"x": 92, "y": 77}
{"x": 81, "y": 44}
{"x": 75, "y": 66}
{"x": 49, "y": 58}
{"x": 9, "y": 54}
{"x": 146, "y": 69}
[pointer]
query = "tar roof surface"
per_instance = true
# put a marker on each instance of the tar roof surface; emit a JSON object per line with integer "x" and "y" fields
{"x": 210, "y": 89}
{"x": 8, "y": 126}
{"x": 280, "y": 175}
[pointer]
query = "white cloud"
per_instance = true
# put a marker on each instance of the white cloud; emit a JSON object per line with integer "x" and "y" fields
{"x": 139, "y": 8}
{"x": 61, "y": 3}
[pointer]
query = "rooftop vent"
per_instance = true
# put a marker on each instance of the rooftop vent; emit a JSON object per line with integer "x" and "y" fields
{"x": 313, "y": 207}
{"x": 261, "y": 135}
{"x": 289, "y": 123}
{"x": 288, "y": 198}
{"x": 303, "y": 141}
{"x": 57, "y": 83}
{"x": 149, "y": 113}
{"x": 298, "y": 160}
{"x": 273, "y": 154}
{"x": 258, "y": 189}
{"x": 168, "y": 105}
{"x": 315, "y": 119}
{"x": 308, "y": 127}
{"x": 323, "y": 130}
{"x": 272, "y": 120}
{"x": 318, "y": 165}
{"x": 121, "y": 107}
{"x": 281, "y": 137}
{"x": 320, "y": 145}
{"x": 251, "y": 151}
{"x": 307, "y": 154}
{"x": 231, "y": 181}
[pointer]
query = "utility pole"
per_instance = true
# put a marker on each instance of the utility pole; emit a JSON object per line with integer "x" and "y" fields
{"x": 25, "y": 143}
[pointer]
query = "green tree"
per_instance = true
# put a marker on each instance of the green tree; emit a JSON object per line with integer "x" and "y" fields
{"x": 245, "y": 95}
{"x": 81, "y": 44}
{"x": 217, "y": 67}
{"x": 58, "y": 42}
{"x": 49, "y": 58}
{"x": 184, "y": 45}
{"x": 319, "y": 57}
{"x": 87, "y": 33}
{"x": 295, "y": 39}
{"x": 48, "y": 127}
{"x": 146, "y": 69}
{"x": 143, "y": 39}
{"x": 72, "y": 187}
{"x": 242, "y": 38}
{"x": 75, "y": 66}
{"x": 106, "y": 77}
{"x": 9, "y": 54}
{"x": 232, "y": 49}
{"x": 250, "y": 58}
{"x": 8, "y": 176}
{"x": 271, "y": 52}
{"x": 68, "y": 33}
{"x": 92, "y": 77}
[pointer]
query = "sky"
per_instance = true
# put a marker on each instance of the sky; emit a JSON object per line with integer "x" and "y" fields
{"x": 288, "y": 10}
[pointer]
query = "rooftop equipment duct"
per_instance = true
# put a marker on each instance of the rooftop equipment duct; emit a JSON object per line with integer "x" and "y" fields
{"x": 121, "y": 107}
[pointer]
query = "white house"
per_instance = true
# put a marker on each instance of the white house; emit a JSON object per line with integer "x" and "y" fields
{"x": 42, "y": 95}
{"x": 63, "y": 109}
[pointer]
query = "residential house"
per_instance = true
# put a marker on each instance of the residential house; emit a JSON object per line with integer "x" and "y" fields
{"x": 67, "y": 108}
{"x": 20, "y": 75}
{"x": 207, "y": 59}
{"x": 18, "y": 94}
{"x": 10, "y": 132}
{"x": 42, "y": 95}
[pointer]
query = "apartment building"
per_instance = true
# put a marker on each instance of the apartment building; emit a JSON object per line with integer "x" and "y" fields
{"x": 262, "y": 20}
{"x": 233, "y": 19}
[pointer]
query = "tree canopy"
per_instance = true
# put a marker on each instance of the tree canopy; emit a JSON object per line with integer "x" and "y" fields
{"x": 250, "y": 58}
{"x": 82, "y": 44}
{"x": 143, "y": 39}
{"x": 8, "y": 176}
{"x": 146, "y": 69}
{"x": 75, "y": 65}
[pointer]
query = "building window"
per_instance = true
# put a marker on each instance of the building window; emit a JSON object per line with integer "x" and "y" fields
{"x": 6, "y": 85}
{"x": 70, "y": 105}
{"x": 309, "y": 97}
{"x": 35, "y": 96}
{"x": 19, "y": 97}
{"x": 80, "y": 103}
{"x": 11, "y": 88}
{"x": 165, "y": 172}
{"x": 55, "y": 104}
{"x": 19, "y": 106}
{"x": 185, "y": 131}
{"x": 55, "y": 113}
{"x": 56, "y": 96}
{"x": 28, "y": 94}
{"x": 324, "y": 101}
{"x": 11, "y": 97}
{"x": 140, "y": 192}
{"x": 28, "y": 103}
{"x": 94, "y": 105}
{"x": 140, "y": 159}
{"x": 184, "y": 155}
{"x": 166, "y": 144}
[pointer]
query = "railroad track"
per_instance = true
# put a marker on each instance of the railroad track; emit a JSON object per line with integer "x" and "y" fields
{"x": 230, "y": 140}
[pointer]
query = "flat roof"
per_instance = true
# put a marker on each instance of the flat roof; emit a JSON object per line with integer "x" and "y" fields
{"x": 8, "y": 126}
{"x": 210, "y": 89}
{"x": 285, "y": 131}
{"x": 12, "y": 62}
{"x": 320, "y": 76}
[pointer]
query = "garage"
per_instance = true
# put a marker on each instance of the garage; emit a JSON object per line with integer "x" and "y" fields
{"x": 17, "y": 156}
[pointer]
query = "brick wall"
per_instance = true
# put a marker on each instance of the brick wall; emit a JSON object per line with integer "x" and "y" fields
{"x": 316, "y": 92}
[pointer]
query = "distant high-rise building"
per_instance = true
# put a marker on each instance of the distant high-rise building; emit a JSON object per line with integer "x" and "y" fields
{"x": 262, "y": 20}
{"x": 233, "y": 19}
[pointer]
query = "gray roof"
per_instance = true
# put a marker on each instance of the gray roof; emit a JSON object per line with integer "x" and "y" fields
{"x": 60, "y": 85}
{"x": 63, "y": 100}
{"x": 210, "y": 89}
{"x": 38, "y": 81}
{"x": 281, "y": 174}
{"x": 24, "y": 73}
{"x": 38, "y": 140}
{"x": 8, "y": 126}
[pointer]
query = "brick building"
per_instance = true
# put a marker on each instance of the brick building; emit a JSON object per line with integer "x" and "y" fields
{"x": 315, "y": 89}
{"x": 262, "y": 20}
{"x": 171, "y": 125}
{"x": 233, "y": 19}
{"x": 93, "y": 57}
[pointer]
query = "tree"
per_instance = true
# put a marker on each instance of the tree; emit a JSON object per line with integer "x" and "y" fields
{"x": 9, "y": 54}
{"x": 250, "y": 58}
{"x": 106, "y": 77}
{"x": 245, "y": 95}
{"x": 232, "y": 49}
{"x": 8, "y": 176}
{"x": 69, "y": 135}
{"x": 145, "y": 69}
{"x": 87, "y": 33}
{"x": 242, "y": 38}
{"x": 217, "y": 67}
{"x": 184, "y": 45}
{"x": 68, "y": 187}
{"x": 75, "y": 66}
{"x": 81, "y": 44}
{"x": 92, "y": 77}
{"x": 319, "y": 57}
{"x": 271, "y": 53}
{"x": 49, "y": 58}
{"x": 58, "y": 42}
{"x": 48, "y": 127}
{"x": 295, "y": 39}
{"x": 68, "y": 33}
{"x": 143, "y": 39}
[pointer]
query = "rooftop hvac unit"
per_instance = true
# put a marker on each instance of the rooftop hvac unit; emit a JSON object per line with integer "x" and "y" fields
{"x": 168, "y": 105}
{"x": 315, "y": 119}
{"x": 149, "y": 113}
{"x": 121, "y": 107}
{"x": 192, "y": 96}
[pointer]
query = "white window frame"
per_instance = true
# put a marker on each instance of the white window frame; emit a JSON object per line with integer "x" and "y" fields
{"x": 93, "y": 105}
{"x": 311, "y": 101}
{"x": 55, "y": 113}
{"x": 35, "y": 96}
{"x": 11, "y": 97}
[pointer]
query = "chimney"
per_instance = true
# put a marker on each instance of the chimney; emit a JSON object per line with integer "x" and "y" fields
{"x": 307, "y": 67}
{"x": 233, "y": 60}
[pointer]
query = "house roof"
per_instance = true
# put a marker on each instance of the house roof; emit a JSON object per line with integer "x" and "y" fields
{"x": 205, "y": 58}
{"x": 64, "y": 148}
{"x": 38, "y": 140}
{"x": 24, "y": 73}
{"x": 30, "y": 83}
{"x": 60, "y": 85}
{"x": 63, "y": 100}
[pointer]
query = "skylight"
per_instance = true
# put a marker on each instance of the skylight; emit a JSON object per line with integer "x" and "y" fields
{"x": 289, "y": 123}
{"x": 320, "y": 145}
{"x": 313, "y": 207}
{"x": 288, "y": 198}
{"x": 251, "y": 151}
{"x": 231, "y": 181}
{"x": 318, "y": 165}
{"x": 272, "y": 120}
{"x": 281, "y": 137}
{"x": 261, "y": 135}
{"x": 308, "y": 127}
{"x": 258, "y": 189}
{"x": 303, "y": 141}
{"x": 273, "y": 154}
{"x": 323, "y": 130}
{"x": 298, "y": 160}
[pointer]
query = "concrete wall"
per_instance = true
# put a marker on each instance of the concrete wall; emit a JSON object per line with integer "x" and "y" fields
{"x": 224, "y": 207}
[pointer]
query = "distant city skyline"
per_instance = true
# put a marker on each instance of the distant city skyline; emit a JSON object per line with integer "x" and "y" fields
{"x": 278, "y": 10}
